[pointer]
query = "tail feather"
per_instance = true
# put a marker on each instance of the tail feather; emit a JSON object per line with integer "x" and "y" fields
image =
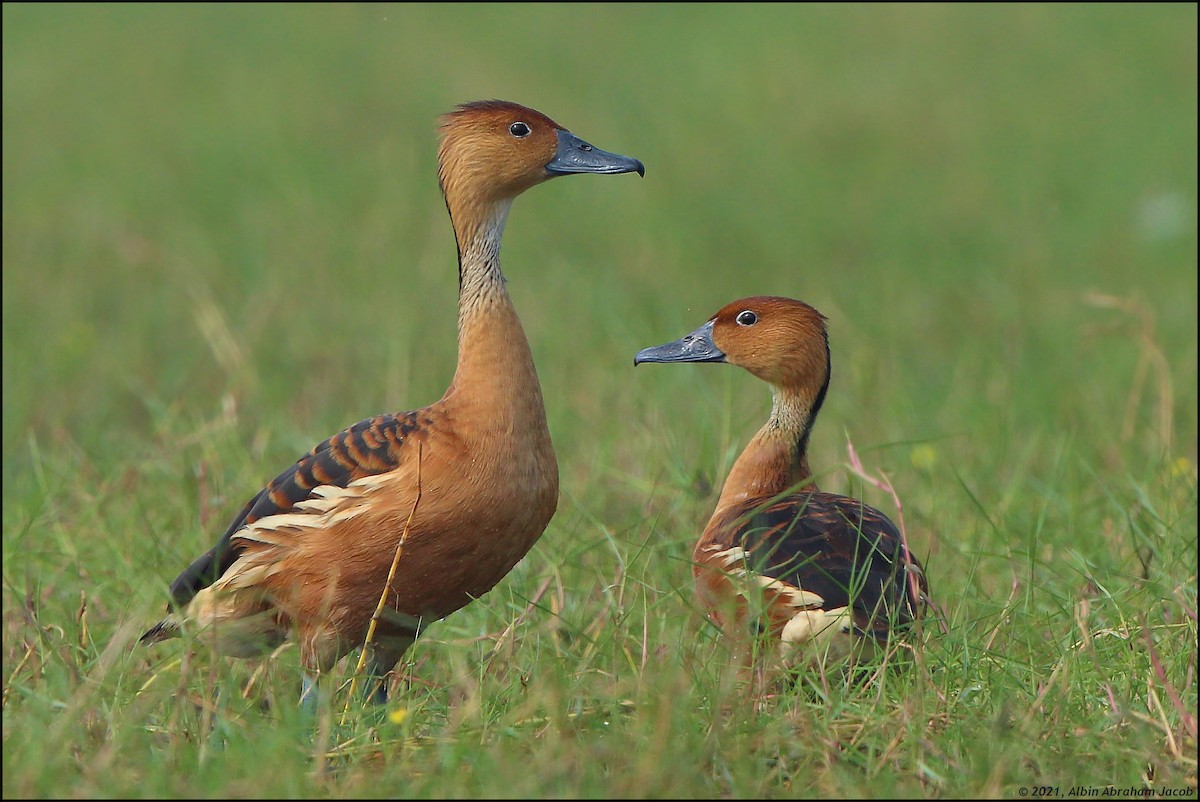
{"x": 164, "y": 630}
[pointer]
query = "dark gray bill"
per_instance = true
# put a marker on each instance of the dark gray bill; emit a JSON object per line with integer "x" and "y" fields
{"x": 576, "y": 156}
{"x": 695, "y": 347}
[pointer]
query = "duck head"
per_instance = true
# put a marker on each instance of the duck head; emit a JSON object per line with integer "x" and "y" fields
{"x": 493, "y": 150}
{"x": 781, "y": 341}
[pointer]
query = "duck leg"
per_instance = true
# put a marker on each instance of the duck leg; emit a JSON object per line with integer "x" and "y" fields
{"x": 310, "y": 686}
{"x": 384, "y": 655}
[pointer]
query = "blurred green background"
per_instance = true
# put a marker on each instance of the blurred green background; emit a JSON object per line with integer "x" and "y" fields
{"x": 946, "y": 183}
{"x": 224, "y": 241}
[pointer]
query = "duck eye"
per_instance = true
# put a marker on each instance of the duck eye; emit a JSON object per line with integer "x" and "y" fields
{"x": 747, "y": 318}
{"x": 519, "y": 130}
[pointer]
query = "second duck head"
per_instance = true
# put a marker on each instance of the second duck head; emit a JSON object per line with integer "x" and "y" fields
{"x": 780, "y": 340}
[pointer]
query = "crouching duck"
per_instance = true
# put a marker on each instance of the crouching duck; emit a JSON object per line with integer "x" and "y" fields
{"x": 310, "y": 554}
{"x": 820, "y": 575}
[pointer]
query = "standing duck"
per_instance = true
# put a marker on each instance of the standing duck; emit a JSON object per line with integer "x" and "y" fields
{"x": 821, "y": 575}
{"x": 469, "y": 482}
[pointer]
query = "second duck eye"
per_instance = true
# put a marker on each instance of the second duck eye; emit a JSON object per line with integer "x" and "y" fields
{"x": 746, "y": 318}
{"x": 519, "y": 130}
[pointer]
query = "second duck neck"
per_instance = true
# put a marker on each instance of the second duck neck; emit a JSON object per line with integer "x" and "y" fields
{"x": 776, "y": 459}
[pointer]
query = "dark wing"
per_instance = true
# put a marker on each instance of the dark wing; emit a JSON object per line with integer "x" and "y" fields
{"x": 369, "y": 447}
{"x": 846, "y": 552}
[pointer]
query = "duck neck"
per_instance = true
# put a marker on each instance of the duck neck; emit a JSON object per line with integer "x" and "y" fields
{"x": 776, "y": 459}
{"x": 495, "y": 374}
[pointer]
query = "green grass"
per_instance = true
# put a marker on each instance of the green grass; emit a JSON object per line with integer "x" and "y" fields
{"x": 223, "y": 241}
